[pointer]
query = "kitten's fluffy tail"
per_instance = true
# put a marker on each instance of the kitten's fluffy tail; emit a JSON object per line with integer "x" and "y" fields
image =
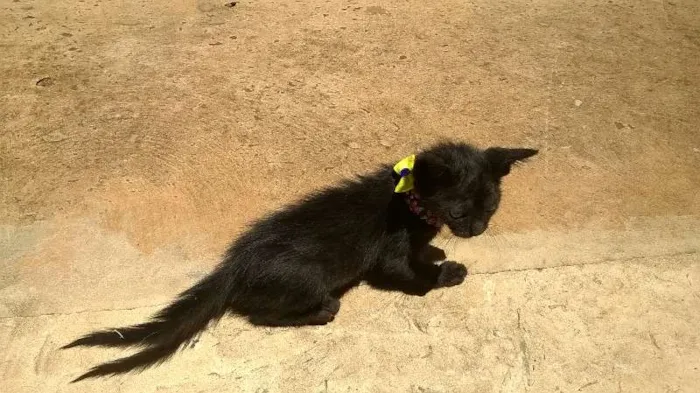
{"x": 167, "y": 331}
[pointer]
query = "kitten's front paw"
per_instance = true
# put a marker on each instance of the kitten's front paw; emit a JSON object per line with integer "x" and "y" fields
{"x": 451, "y": 274}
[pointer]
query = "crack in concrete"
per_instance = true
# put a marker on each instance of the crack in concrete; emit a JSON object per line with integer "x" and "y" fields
{"x": 599, "y": 262}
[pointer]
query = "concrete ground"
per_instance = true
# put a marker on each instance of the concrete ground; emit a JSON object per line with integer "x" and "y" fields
{"x": 139, "y": 137}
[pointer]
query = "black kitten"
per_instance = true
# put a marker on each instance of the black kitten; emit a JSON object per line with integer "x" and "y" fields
{"x": 291, "y": 267}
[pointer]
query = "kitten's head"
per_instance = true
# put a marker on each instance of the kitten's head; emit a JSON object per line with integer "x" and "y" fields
{"x": 462, "y": 184}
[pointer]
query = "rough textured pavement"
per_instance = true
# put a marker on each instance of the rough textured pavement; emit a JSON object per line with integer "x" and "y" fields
{"x": 138, "y": 138}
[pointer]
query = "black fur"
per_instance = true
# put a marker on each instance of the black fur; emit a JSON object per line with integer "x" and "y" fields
{"x": 291, "y": 267}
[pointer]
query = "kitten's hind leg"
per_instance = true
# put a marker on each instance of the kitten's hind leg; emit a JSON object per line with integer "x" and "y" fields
{"x": 321, "y": 314}
{"x": 330, "y": 304}
{"x": 316, "y": 317}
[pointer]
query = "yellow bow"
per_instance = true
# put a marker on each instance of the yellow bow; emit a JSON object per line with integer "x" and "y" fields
{"x": 404, "y": 168}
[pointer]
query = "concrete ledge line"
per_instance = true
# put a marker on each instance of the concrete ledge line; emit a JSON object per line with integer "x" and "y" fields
{"x": 599, "y": 262}
{"x": 59, "y": 314}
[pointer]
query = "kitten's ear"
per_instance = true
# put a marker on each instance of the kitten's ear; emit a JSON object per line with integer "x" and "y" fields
{"x": 501, "y": 158}
{"x": 431, "y": 173}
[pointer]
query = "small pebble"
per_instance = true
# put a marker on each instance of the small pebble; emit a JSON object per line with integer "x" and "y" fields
{"x": 578, "y": 102}
{"x": 353, "y": 145}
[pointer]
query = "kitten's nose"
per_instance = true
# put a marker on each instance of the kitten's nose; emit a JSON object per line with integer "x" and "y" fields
{"x": 477, "y": 228}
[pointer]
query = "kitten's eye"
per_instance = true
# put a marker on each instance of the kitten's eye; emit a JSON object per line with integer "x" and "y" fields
{"x": 457, "y": 212}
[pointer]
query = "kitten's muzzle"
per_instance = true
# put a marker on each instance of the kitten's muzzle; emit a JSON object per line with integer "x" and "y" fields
{"x": 478, "y": 227}
{"x": 475, "y": 228}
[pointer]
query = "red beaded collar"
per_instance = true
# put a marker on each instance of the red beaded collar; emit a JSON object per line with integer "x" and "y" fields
{"x": 414, "y": 205}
